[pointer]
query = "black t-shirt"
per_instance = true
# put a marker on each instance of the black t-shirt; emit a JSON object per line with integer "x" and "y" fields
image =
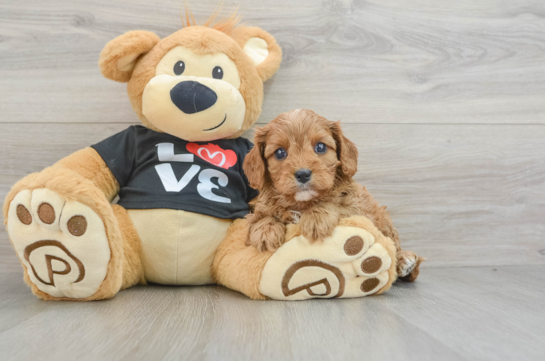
{"x": 158, "y": 170}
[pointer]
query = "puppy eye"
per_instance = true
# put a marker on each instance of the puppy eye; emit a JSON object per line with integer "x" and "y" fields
{"x": 217, "y": 72}
{"x": 280, "y": 153}
{"x": 320, "y": 148}
{"x": 179, "y": 68}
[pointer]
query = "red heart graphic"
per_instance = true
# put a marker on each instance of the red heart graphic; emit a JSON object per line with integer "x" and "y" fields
{"x": 213, "y": 154}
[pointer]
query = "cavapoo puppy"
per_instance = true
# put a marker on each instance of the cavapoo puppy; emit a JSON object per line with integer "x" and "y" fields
{"x": 303, "y": 165}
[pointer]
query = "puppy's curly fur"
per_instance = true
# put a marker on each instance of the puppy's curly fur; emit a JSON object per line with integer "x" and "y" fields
{"x": 289, "y": 144}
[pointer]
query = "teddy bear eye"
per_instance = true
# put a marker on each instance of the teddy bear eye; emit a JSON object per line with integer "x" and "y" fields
{"x": 217, "y": 72}
{"x": 320, "y": 148}
{"x": 179, "y": 67}
{"x": 280, "y": 153}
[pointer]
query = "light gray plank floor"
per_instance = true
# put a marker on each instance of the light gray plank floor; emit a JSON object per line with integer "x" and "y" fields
{"x": 448, "y": 314}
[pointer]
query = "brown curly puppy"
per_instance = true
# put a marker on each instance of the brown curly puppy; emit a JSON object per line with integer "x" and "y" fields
{"x": 303, "y": 165}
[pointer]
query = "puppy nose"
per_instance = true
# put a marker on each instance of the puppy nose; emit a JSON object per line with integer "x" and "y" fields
{"x": 303, "y": 175}
{"x": 192, "y": 97}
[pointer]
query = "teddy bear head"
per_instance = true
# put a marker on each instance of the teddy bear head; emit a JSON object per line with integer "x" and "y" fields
{"x": 200, "y": 83}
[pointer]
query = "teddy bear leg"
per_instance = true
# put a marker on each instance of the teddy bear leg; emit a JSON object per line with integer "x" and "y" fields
{"x": 238, "y": 266}
{"x": 132, "y": 265}
{"x": 356, "y": 261}
{"x": 69, "y": 238}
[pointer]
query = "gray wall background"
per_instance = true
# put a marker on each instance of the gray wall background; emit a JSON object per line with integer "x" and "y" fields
{"x": 446, "y": 103}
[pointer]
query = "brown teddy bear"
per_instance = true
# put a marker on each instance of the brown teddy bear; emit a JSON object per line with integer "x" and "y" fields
{"x": 182, "y": 191}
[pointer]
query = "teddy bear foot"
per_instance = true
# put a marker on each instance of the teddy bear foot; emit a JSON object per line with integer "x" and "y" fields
{"x": 353, "y": 262}
{"x": 62, "y": 244}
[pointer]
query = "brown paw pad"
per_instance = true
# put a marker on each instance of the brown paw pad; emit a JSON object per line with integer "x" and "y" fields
{"x": 369, "y": 284}
{"x": 24, "y": 215}
{"x": 77, "y": 225}
{"x": 371, "y": 264}
{"x": 353, "y": 245}
{"x": 46, "y": 213}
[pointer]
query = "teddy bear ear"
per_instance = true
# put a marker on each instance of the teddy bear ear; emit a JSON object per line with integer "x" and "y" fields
{"x": 261, "y": 47}
{"x": 119, "y": 56}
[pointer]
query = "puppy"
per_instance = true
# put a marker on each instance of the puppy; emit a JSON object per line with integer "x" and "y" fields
{"x": 303, "y": 165}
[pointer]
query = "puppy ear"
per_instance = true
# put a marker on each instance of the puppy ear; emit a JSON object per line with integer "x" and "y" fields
{"x": 119, "y": 56}
{"x": 254, "y": 165}
{"x": 261, "y": 47}
{"x": 347, "y": 152}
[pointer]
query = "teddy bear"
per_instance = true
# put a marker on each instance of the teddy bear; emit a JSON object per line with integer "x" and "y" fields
{"x": 182, "y": 192}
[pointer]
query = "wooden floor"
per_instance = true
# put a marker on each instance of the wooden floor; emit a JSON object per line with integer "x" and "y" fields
{"x": 450, "y": 314}
{"x": 446, "y": 102}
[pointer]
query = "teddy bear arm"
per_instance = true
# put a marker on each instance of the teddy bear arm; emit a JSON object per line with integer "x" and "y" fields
{"x": 90, "y": 165}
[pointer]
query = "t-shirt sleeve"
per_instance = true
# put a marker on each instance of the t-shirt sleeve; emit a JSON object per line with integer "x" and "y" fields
{"x": 118, "y": 152}
{"x": 250, "y": 192}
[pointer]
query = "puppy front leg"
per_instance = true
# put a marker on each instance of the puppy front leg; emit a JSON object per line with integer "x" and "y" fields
{"x": 266, "y": 234}
{"x": 318, "y": 222}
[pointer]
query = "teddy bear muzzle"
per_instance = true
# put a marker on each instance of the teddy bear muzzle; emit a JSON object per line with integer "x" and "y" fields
{"x": 193, "y": 108}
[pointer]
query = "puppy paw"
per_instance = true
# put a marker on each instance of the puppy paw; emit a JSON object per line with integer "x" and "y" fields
{"x": 266, "y": 235}
{"x": 408, "y": 265}
{"x": 316, "y": 225}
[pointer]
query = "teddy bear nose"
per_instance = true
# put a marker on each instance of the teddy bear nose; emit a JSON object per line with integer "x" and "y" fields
{"x": 192, "y": 97}
{"x": 303, "y": 175}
